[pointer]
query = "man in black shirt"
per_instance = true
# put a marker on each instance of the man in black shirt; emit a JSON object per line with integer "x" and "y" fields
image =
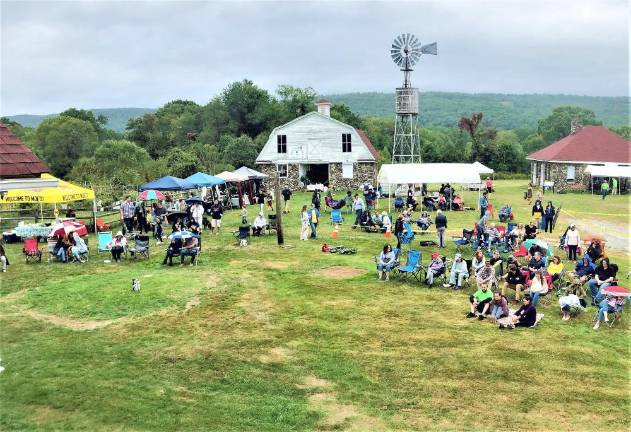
{"x": 286, "y": 197}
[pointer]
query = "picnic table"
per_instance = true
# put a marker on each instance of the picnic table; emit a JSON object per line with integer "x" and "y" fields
{"x": 32, "y": 230}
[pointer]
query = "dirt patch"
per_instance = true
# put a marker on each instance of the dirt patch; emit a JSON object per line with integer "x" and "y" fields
{"x": 615, "y": 233}
{"x": 70, "y": 323}
{"x": 341, "y": 272}
{"x": 276, "y": 355}
{"x": 48, "y": 414}
{"x": 342, "y": 416}
{"x": 192, "y": 303}
{"x": 257, "y": 304}
{"x": 13, "y": 296}
{"x": 311, "y": 382}
{"x": 275, "y": 265}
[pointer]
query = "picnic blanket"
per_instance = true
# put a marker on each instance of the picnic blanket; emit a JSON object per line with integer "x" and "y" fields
{"x": 32, "y": 230}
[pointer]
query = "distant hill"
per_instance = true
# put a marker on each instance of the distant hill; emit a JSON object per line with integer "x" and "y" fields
{"x": 504, "y": 111}
{"x": 117, "y": 117}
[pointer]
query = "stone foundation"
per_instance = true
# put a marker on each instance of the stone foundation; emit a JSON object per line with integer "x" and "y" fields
{"x": 363, "y": 172}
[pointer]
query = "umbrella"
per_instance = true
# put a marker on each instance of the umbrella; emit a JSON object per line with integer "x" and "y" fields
{"x": 63, "y": 228}
{"x": 195, "y": 199}
{"x": 543, "y": 245}
{"x": 171, "y": 217}
{"x": 150, "y": 195}
{"x": 617, "y": 291}
{"x": 180, "y": 235}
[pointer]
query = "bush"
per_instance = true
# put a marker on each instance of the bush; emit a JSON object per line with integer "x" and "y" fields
{"x": 511, "y": 176}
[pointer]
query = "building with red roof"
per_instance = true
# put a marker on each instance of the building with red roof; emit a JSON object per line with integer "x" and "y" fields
{"x": 563, "y": 163}
{"x": 320, "y": 149}
{"x": 16, "y": 159}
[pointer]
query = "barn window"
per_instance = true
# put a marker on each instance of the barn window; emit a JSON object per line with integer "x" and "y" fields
{"x": 347, "y": 170}
{"x": 346, "y": 142}
{"x": 571, "y": 173}
{"x": 281, "y": 169}
{"x": 281, "y": 143}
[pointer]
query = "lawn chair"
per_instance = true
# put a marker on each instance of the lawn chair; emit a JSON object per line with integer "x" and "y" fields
{"x": 407, "y": 236}
{"x": 399, "y": 204}
{"x": 413, "y": 266}
{"x": 242, "y": 235}
{"x": 141, "y": 247}
{"x": 271, "y": 224}
{"x": 101, "y": 225}
{"x": 448, "y": 262}
{"x": 31, "y": 250}
{"x": 199, "y": 249}
{"x": 336, "y": 216}
{"x": 466, "y": 239}
{"x": 105, "y": 238}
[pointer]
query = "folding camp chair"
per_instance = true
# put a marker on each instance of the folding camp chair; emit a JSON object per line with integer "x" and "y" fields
{"x": 466, "y": 239}
{"x": 31, "y": 250}
{"x": 105, "y": 238}
{"x": 336, "y": 216}
{"x": 413, "y": 266}
{"x": 407, "y": 235}
{"x": 141, "y": 246}
{"x": 52, "y": 256}
{"x": 242, "y": 235}
{"x": 271, "y": 223}
{"x": 101, "y": 225}
{"x": 199, "y": 249}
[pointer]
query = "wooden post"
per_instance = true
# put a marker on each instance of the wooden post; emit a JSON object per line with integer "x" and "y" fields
{"x": 279, "y": 214}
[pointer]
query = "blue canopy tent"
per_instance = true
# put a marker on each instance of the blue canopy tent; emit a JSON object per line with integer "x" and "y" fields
{"x": 168, "y": 183}
{"x": 199, "y": 179}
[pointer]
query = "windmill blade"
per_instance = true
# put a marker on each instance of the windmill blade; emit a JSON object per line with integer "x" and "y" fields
{"x": 395, "y": 44}
{"x": 399, "y": 40}
{"x": 415, "y": 40}
{"x": 430, "y": 49}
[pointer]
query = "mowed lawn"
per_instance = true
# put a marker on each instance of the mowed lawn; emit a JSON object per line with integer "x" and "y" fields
{"x": 267, "y": 338}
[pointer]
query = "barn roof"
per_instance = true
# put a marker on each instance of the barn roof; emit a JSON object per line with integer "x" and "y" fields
{"x": 590, "y": 144}
{"x": 366, "y": 140}
{"x": 16, "y": 159}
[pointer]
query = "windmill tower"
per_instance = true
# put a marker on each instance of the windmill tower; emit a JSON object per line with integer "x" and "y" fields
{"x": 406, "y": 51}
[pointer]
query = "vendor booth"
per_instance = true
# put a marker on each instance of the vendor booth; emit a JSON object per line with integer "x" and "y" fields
{"x": 609, "y": 170}
{"x": 236, "y": 179}
{"x": 168, "y": 183}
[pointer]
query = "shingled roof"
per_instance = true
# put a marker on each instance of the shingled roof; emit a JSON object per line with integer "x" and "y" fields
{"x": 590, "y": 144}
{"x": 16, "y": 159}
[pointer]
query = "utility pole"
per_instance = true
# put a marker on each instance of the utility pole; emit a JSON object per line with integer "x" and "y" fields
{"x": 279, "y": 213}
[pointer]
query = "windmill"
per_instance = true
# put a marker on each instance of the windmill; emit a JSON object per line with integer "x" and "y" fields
{"x": 406, "y": 50}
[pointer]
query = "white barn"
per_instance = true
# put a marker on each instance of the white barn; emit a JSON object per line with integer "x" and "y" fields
{"x": 321, "y": 149}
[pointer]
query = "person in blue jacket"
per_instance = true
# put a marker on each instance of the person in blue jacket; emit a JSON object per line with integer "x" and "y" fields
{"x": 314, "y": 218}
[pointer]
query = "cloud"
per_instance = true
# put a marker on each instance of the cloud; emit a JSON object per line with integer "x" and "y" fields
{"x": 112, "y": 54}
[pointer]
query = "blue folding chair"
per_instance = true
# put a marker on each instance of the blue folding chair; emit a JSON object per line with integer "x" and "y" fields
{"x": 413, "y": 266}
{"x": 105, "y": 238}
{"x": 336, "y": 216}
{"x": 407, "y": 235}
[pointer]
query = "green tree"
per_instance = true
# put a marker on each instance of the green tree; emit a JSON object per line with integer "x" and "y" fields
{"x": 62, "y": 140}
{"x": 239, "y": 151}
{"x": 471, "y": 125}
{"x": 509, "y": 156}
{"x": 623, "y": 131}
{"x": 296, "y": 101}
{"x": 344, "y": 114}
{"x": 558, "y": 124}
{"x": 98, "y": 122}
{"x": 182, "y": 162}
{"x": 251, "y": 109}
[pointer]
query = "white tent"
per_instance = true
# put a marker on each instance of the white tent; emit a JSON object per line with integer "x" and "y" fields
{"x": 483, "y": 169}
{"x": 230, "y": 177}
{"x": 396, "y": 174}
{"x": 609, "y": 170}
{"x": 250, "y": 173}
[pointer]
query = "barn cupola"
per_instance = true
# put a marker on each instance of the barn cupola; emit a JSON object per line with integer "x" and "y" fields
{"x": 324, "y": 107}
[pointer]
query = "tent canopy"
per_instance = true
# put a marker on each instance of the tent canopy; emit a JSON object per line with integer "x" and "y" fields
{"x": 428, "y": 173}
{"x": 62, "y": 193}
{"x": 199, "y": 179}
{"x": 482, "y": 169}
{"x": 168, "y": 183}
{"x": 609, "y": 170}
{"x": 250, "y": 173}
{"x": 231, "y": 177}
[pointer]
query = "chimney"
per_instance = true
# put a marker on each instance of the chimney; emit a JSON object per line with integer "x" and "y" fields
{"x": 324, "y": 107}
{"x": 575, "y": 126}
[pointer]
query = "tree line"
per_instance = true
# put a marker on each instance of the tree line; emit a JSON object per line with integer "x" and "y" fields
{"x": 183, "y": 137}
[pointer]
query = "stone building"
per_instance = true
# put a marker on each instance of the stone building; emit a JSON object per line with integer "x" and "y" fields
{"x": 563, "y": 163}
{"x": 319, "y": 149}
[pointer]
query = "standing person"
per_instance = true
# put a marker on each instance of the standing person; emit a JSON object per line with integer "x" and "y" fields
{"x": 269, "y": 199}
{"x": 358, "y": 206}
{"x": 127, "y": 212}
{"x": 614, "y": 186}
{"x": 141, "y": 217}
{"x": 441, "y": 226}
{"x": 528, "y": 195}
{"x": 244, "y": 214}
{"x": 286, "y": 197}
{"x": 260, "y": 199}
{"x": 4, "y": 260}
{"x": 572, "y": 241}
{"x": 488, "y": 183}
{"x": 537, "y": 213}
{"x": 484, "y": 203}
{"x": 314, "y": 217}
{"x": 604, "y": 188}
{"x": 216, "y": 211}
{"x": 315, "y": 199}
{"x": 197, "y": 213}
{"x": 159, "y": 215}
{"x": 304, "y": 223}
{"x": 349, "y": 201}
{"x": 548, "y": 217}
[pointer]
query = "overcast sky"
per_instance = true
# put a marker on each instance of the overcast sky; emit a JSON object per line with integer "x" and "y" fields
{"x": 144, "y": 54}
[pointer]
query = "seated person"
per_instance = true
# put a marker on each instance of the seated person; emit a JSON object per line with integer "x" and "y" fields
{"x": 538, "y": 287}
{"x": 478, "y": 261}
{"x": 458, "y": 273}
{"x": 457, "y": 203}
{"x": 555, "y": 268}
{"x": 583, "y": 271}
{"x": 535, "y": 264}
{"x": 603, "y": 277}
{"x": 436, "y": 268}
{"x": 78, "y": 247}
{"x": 492, "y": 235}
{"x": 497, "y": 262}
{"x": 385, "y": 220}
{"x": 195, "y": 228}
{"x": 4, "y": 259}
{"x": 535, "y": 248}
{"x": 429, "y": 204}
{"x": 117, "y": 246}
{"x": 505, "y": 213}
{"x": 608, "y": 305}
{"x": 594, "y": 251}
{"x": 366, "y": 219}
{"x": 480, "y": 301}
{"x": 376, "y": 220}
{"x": 514, "y": 280}
{"x": 61, "y": 249}
{"x": 486, "y": 275}
{"x": 442, "y": 202}
{"x": 177, "y": 225}
{"x": 399, "y": 204}
{"x": 530, "y": 230}
{"x": 411, "y": 202}
{"x": 259, "y": 224}
{"x": 499, "y": 307}
{"x": 385, "y": 262}
{"x": 407, "y": 216}
{"x": 424, "y": 221}
{"x": 571, "y": 303}
{"x": 526, "y": 315}
{"x": 172, "y": 250}
{"x": 189, "y": 248}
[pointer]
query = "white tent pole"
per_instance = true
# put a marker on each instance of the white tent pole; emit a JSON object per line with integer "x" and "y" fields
{"x": 41, "y": 213}
{"x": 591, "y": 180}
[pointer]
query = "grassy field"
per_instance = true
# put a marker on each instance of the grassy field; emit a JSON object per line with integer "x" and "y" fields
{"x": 263, "y": 338}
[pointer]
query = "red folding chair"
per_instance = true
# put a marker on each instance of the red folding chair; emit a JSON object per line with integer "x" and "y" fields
{"x": 31, "y": 250}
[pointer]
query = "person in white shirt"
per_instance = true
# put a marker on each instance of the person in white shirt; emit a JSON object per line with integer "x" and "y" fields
{"x": 258, "y": 224}
{"x": 197, "y": 213}
{"x": 304, "y": 223}
{"x": 572, "y": 242}
{"x": 385, "y": 221}
{"x": 569, "y": 303}
{"x": 385, "y": 262}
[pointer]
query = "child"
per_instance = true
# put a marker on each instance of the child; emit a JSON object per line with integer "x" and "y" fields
{"x": 4, "y": 260}
{"x": 244, "y": 215}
